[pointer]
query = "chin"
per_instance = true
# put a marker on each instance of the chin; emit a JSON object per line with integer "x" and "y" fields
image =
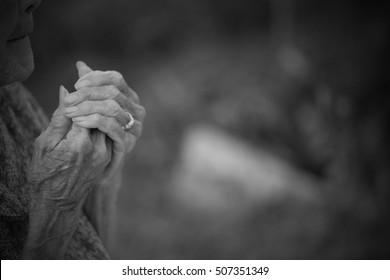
{"x": 17, "y": 62}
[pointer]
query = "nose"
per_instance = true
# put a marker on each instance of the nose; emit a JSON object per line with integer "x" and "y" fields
{"x": 29, "y": 6}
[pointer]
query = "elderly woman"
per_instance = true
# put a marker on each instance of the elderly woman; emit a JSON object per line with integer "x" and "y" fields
{"x": 59, "y": 179}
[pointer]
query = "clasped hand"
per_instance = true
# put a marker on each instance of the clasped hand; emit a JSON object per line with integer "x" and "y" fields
{"x": 85, "y": 141}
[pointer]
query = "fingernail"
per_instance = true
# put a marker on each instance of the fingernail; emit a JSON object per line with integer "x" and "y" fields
{"x": 70, "y": 99}
{"x": 82, "y": 83}
{"x": 70, "y": 110}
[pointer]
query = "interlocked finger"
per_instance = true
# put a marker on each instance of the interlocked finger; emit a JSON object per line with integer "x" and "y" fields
{"x": 102, "y": 78}
{"x": 108, "y": 126}
{"x": 108, "y": 108}
{"x": 106, "y": 93}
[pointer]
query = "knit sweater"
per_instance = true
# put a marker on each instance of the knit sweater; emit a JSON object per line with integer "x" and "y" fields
{"x": 21, "y": 121}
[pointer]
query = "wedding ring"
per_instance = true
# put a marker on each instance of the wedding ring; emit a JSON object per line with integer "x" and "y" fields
{"x": 130, "y": 124}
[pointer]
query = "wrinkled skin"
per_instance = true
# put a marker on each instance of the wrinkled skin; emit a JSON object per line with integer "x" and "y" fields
{"x": 77, "y": 161}
{"x": 16, "y": 23}
{"x": 101, "y": 101}
{"x": 66, "y": 160}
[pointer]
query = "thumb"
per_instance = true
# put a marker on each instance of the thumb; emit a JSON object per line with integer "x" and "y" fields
{"x": 82, "y": 68}
{"x": 59, "y": 123}
{"x": 62, "y": 93}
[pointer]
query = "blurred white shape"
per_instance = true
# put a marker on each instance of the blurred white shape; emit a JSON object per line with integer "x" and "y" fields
{"x": 221, "y": 172}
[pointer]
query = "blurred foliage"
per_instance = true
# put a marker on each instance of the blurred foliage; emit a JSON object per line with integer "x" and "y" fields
{"x": 308, "y": 80}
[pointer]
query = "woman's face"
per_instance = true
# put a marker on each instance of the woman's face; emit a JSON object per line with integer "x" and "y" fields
{"x": 16, "y": 23}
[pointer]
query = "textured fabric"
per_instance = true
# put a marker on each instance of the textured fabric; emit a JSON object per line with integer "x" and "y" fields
{"x": 21, "y": 121}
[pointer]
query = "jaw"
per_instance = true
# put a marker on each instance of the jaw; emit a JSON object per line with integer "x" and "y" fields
{"x": 17, "y": 62}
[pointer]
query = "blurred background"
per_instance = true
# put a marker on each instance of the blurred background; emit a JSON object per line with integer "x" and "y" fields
{"x": 267, "y": 124}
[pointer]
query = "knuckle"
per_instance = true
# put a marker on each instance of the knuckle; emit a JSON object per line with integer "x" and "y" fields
{"x": 113, "y": 107}
{"x": 136, "y": 97}
{"x": 111, "y": 88}
{"x": 116, "y": 93}
{"x": 82, "y": 92}
{"x": 112, "y": 91}
{"x": 125, "y": 102}
{"x": 140, "y": 112}
{"x": 107, "y": 91}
